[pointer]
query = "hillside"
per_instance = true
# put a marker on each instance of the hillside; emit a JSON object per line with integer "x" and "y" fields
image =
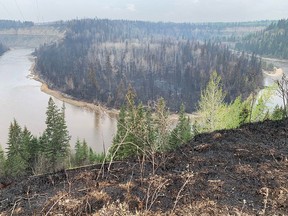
{"x": 231, "y": 172}
{"x": 98, "y": 60}
{"x": 271, "y": 42}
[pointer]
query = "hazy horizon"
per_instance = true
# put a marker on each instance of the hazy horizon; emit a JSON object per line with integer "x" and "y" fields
{"x": 161, "y": 10}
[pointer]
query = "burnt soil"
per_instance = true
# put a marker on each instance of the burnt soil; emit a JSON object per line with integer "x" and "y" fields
{"x": 230, "y": 172}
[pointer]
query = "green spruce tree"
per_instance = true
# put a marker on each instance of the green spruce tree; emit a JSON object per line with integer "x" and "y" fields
{"x": 182, "y": 133}
{"x": 81, "y": 153}
{"x": 16, "y": 163}
{"x": 2, "y": 162}
{"x": 129, "y": 138}
{"x": 30, "y": 150}
{"x": 278, "y": 113}
{"x": 55, "y": 139}
{"x": 162, "y": 126}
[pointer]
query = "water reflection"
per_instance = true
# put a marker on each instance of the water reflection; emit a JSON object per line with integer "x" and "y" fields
{"x": 22, "y": 99}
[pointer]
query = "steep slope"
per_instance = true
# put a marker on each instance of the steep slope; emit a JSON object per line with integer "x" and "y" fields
{"x": 230, "y": 172}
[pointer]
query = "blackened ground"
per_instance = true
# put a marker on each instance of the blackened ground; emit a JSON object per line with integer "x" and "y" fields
{"x": 231, "y": 172}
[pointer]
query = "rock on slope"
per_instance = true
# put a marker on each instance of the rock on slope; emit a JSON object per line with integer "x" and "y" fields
{"x": 231, "y": 172}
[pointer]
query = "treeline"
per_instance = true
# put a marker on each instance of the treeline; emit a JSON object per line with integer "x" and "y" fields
{"x": 270, "y": 42}
{"x": 8, "y": 24}
{"x": 30, "y": 155}
{"x": 99, "y": 59}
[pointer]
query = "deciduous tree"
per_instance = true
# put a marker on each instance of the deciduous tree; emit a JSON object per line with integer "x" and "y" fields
{"x": 211, "y": 102}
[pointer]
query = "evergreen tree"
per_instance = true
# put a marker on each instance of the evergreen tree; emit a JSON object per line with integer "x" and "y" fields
{"x": 162, "y": 126}
{"x": 129, "y": 139}
{"x": 278, "y": 113}
{"x": 2, "y": 161}
{"x": 81, "y": 153}
{"x": 29, "y": 149}
{"x": 117, "y": 150}
{"x": 120, "y": 137}
{"x": 245, "y": 113}
{"x": 182, "y": 133}
{"x": 55, "y": 139}
{"x": 94, "y": 157}
{"x": 16, "y": 163}
{"x": 78, "y": 152}
{"x": 151, "y": 134}
{"x": 135, "y": 130}
{"x": 33, "y": 153}
{"x": 91, "y": 156}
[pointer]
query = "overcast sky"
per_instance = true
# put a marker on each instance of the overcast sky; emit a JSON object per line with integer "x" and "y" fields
{"x": 150, "y": 10}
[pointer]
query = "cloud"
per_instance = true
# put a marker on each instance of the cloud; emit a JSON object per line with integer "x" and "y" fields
{"x": 131, "y": 7}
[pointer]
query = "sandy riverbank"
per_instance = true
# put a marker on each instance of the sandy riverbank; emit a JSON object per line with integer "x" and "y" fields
{"x": 66, "y": 98}
{"x": 276, "y": 73}
{"x": 90, "y": 106}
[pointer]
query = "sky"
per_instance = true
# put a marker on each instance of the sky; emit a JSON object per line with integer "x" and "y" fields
{"x": 147, "y": 10}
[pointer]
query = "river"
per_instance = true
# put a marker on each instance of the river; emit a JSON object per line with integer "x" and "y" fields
{"x": 270, "y": 80}
{"x": 22, "y": 99}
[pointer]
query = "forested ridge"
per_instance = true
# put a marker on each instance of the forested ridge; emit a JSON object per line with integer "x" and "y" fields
{"x": 270, "y": 42}
{"x": 99, "y": 59}
{"x": 8, "y": 24}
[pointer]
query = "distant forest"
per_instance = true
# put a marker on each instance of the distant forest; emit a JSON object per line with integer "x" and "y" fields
{"x": 98, "y": 60}
{"x": 273, "y": 41}
{"x": 8, "y": 24}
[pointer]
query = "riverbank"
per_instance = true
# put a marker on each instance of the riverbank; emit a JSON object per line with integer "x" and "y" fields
{"x": 67, "y": 98}
{"x": 277, "y": 73}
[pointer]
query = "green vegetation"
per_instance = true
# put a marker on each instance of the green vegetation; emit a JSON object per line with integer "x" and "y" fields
{"x": 85, "y": 155}
{"x": 144, "y": 132}
{"x": 28, "y": 155}
{"x": 211, "y": 103}
{"x": 270, "y": 42}
{"x": 2, "y": 162}
{"x": 143, "y": 135}
{"x": 55, "y": 139}
{"x": 16, "y": 163}
{"x": 182, "y": 133}
{"x": 81, "y": 153}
